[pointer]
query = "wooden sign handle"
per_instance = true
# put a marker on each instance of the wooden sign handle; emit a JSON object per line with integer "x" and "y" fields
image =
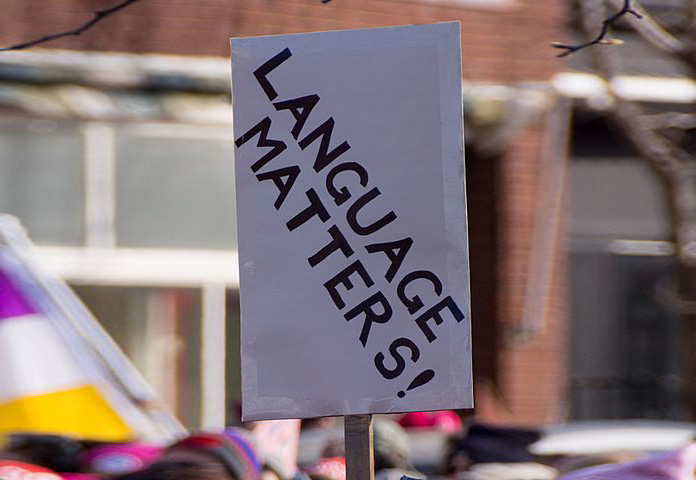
{"x": 360, "y": 461}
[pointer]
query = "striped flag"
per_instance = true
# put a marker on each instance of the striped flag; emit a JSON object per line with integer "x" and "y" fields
{"x": 43, "y": 387}
{"x": 676, "y": 465}
{"x": 60, "y": 372}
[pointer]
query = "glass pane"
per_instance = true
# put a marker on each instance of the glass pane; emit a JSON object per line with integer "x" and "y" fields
{"x": 623, "y": 363}
{"x": 42, "y": 178}
{"x": 616, "y": 198}
{"x": 159, "y": 330}
{"x": 176, "y": 193}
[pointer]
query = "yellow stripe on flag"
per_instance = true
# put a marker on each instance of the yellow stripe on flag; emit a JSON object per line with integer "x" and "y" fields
{"x": 79, "y": 412}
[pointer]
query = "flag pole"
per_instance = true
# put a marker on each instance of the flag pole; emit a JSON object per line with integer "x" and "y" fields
{"x": 360, "y": 462}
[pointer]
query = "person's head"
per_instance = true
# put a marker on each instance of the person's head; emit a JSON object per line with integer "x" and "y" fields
{"x": 270, "y": 474}
{"x": 392, "y": 447}
{"x": 489, "y": 444}
{"x": 55, "y": 452}
{"x": 441, "y": 421}
{"x": 169, "y": 470}
{"x": 233, "y": 450}
{"x": 119, "y": 458}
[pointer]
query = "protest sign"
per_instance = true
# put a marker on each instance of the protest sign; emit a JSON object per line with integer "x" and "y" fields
{"x": 352, "y": 222}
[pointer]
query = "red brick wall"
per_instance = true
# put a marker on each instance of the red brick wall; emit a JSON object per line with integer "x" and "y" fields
{"x": 532, "y": 369}
{"x": 520, "y": 378}
{"x": 509, "y": 44}
{"x": 518, "y": 382}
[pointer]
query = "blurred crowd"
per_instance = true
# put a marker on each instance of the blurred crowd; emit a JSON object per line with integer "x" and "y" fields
{"x": 470, "y": 451}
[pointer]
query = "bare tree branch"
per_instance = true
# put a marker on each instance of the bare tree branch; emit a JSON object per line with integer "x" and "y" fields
{"x": 673, "y": 163}
{"x": 654, "y": 147}
{"x": 98, "y": 17}
{"x": 601, "y": 38}
{"x": 652, "y": 31}
{"x": 675, "y": 120}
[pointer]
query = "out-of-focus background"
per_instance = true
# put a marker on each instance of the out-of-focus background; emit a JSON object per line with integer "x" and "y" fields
{"x": 115, "y": 155}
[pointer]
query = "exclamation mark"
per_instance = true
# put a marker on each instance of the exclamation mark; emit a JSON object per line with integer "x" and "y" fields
{"x": 422, "y": 378}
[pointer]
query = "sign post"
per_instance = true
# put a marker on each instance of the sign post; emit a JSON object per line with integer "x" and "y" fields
{"x": 351, "y": 211}
{"x": 360, "y": 461}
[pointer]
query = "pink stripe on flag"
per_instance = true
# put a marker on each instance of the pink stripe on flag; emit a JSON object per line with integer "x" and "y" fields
{"x": 12, "y": 303}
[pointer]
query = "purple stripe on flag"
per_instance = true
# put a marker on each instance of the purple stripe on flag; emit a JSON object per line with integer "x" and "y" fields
{"x": 12, "y": 302}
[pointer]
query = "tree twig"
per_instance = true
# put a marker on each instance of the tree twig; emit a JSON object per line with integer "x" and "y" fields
{"x": 601, "y": 38}
{"x": 674, "y": 120}
{"x": 98, "y": 17}
{"x": 652, "y": 32}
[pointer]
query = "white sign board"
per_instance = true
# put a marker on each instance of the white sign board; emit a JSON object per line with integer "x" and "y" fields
{"x": 352, "y": 222}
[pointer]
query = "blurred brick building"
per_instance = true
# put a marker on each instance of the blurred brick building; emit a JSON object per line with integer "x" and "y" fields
{"x": 95, "y": 91}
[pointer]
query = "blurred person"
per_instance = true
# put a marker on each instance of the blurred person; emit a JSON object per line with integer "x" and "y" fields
{"x": 334, "y": 447}
{"x": 278, "y": 446}
{"x": 79, "y": 476}
{"x": 119, "y": 458}
{"x": 489, "y": 444}
{"x": 270, "y": 470}
{"x": 233, "y": 451}
{"x": 273, "y": 466}
{"x": 392, "y": 451}
{"x": 54, "y": 452}
{"x": 509, "y": 471}
{"x": 331, "y": 468}
{"x": 176, "y": 470}
{"x": 398, "y": 474}
{"x": 319, "y": 423}
{"x": 442, "y": 421}
{"x": 15, "y": 470}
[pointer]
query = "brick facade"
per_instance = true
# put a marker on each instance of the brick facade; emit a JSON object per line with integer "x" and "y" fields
{"x": 520, "y": 382}
{"x": 501, "y": 44}
{"x": 531, "y": 369}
